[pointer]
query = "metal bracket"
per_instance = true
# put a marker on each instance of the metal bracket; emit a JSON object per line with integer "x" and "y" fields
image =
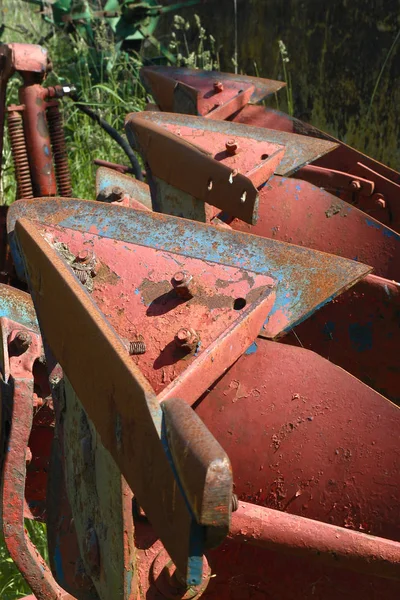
{"x": 17, "y": 382}
{"x": 209, "y": 94}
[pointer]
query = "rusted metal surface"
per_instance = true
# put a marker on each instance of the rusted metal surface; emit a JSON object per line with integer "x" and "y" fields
{"x": 17, "y": 384}
{"x": 17, "y": 305}
{"x": 59, "y": 148}
{"x": 300, "y": 150}
{"x": 37, "y": 136}
{"x": 229, "y": 304}
{"x": 307, "y": 279}
{"x": 129, "y": 402}
{"x": 358, "y": 331}
{"x": 199, "y": 460}
{"x": 36, "y": 128}
{"x": 332, "y": 180}
{"x": 294, "y": 211}
{"x": 343, "y": 158}
{"x": 323, "y": 444}
{"x": 114, "y": 166}
{"x": 64, "y": 555}
{"x": 257, "y": 160}
{"x": 18, "y": 57}
{"x": 96, "y": 490}
{"x": 337, "y": 547}
{"x": 202, "y": 177}
{"x": 107, "y": 179}
{"x": 19, "y": 152}
{"x": 211, "y": 87}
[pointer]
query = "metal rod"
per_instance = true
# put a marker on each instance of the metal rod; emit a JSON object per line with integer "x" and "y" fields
{"x": 330, "y": 544}
{"x": 38, "y": 139}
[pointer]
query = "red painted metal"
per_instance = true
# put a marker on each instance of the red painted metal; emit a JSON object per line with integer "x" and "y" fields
{"x": 358, "y": 331}
{"x": 334, "y": 546}
{"x": 307, "y": 438}
{"x": 313, "y": 449}
{"x": 333, "y": 181}
{"x": 257, "y": 160}
{"x": 297, "y": 212}
{"x": 147, "y": 305}
{"x": 127, "y": 401}
{"x": 42, "y": 135}
{"x": 33, "y": 97}
{"x": 188, "y": 91}
{"x": 344, "y": 158}
{"x": 18, "y": 365}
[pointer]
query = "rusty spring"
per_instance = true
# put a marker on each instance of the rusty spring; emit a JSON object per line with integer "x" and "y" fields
{"x": 59, "y": 147}
{"x": 138, "y": 347}
{"x": 19, "y": 154}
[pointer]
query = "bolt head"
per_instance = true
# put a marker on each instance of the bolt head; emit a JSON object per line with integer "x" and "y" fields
{"x": 82, "y": 256}
{"x": 22, "y": 341}
{"x": 186, "y": 338}
{"x": 381, "y": 202}
{"x": 218, "y": 86}
{"x": 183, "y": 336}
{"x": 180, "y": 277}
{"x": 183, "y": 284}
{"x": 355, "y": 185}
{"x": 231, "y": 147}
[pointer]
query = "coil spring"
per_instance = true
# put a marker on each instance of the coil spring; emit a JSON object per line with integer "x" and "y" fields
{"x": 83, "y": 276}
{"x": 19, "y": 154}
{"x": 59, "y": 147}
{"x": 138, "y": 347}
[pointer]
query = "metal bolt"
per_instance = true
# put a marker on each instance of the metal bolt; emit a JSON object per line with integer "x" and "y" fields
{"x": 83, "y": 256}
{"x": 232, "y": 147}
{"x": 118, "y": 194}
{"x": 355, "y": 185}
{"x": 28, "y": 456}
{"x": 114, "y": 194}
{"x": 187, "y": 338}
{"x": 91, "y": 551}
{"x": 22, "y": 341}
{"x": 380, "y": 200}
{"x": 183, "y": 284}
{"x": 218, "y": 86}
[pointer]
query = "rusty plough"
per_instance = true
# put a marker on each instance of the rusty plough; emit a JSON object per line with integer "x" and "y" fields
{"x": 198, "y": 397}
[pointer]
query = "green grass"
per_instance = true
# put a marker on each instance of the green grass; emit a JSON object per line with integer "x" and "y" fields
{"x": 12, "y": 585}
{"x": 113, "y": 95}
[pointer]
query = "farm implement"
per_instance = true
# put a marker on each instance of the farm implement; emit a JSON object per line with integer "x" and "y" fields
{"x": 200, "y": 374}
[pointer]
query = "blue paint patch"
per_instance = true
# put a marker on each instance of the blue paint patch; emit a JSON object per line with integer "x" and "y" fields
{"x": 361, "y": 336}
{"x": 252, "y": 349}
{"x": 46, "y": 150}
{"x": 296, "y": 270}
{"x": 59, "y": 564}
{"x": 389, "y": 233}
{"x": 196, "y": 536}
{"x": 373, "y": 224}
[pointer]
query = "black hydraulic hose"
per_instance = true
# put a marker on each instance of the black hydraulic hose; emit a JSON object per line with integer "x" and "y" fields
{"x": 136, "y": 168}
